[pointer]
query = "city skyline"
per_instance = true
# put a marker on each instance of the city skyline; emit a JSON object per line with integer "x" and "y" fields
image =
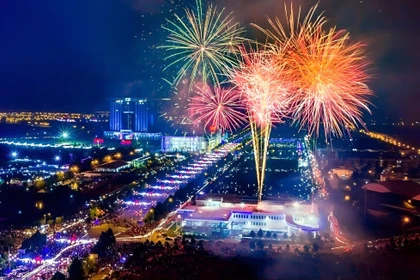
{"x": 114, "y": 53}
{"x": 209, "y": 139}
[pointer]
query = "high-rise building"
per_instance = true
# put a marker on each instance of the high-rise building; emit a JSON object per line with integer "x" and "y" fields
{"x": 129, "y": 114}
{"x": 115, "y": 116}
{"x": 141, "y": 116}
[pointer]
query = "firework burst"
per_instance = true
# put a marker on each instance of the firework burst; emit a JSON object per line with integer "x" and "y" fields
{"x": 202, "y": 44}
{"x": 217, "y": 107}
{"x": 266, "y": 92}
{"x": 265, "y": 87}
{"x": 329, "y": 72}
{"x": 332, "y": 77}
{"x": 295, "y": 26}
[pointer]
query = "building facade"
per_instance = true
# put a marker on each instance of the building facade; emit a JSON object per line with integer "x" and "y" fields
{"x": 190, "y": 143}
{"x": 129, "y": 114}
{"x": 226, "y": 216}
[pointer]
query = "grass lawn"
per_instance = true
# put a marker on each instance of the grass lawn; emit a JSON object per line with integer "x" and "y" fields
{"x": 173, "y": 231}
{"x": 94, "y": 232}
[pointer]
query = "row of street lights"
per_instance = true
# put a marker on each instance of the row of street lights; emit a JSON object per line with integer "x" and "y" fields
{"x": 389, "y": 140}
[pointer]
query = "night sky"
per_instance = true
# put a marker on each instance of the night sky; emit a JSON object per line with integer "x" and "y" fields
{"x": 71, "y": 55}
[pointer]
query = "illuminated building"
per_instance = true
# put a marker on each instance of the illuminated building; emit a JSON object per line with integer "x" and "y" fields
{"x": 112, "y": 167}
{"x": 190, "y": 143}
{"x": 129, "y": 114}
{"x": 224, "y": 215}
{"x": 342, "y": 173}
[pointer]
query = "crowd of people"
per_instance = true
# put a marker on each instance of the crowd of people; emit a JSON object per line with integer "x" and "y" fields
{"x": 203, "y": 260}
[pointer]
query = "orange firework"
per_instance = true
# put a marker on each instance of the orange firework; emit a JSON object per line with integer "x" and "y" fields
{"x": 329, "y": 72}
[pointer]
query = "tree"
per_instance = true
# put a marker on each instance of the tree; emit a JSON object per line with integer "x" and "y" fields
{"x": 94, "y": 212}
{"x": 193, "y": 241}
{"x": 285, "y": 236}
{"x": 392, "y": 243}
{"x": 105, "y": 243}
{"x": 270, "y": 247}
{"x": 327, "y": 235}
{"x": 40, "y": 184}
{"x": 252, "y": 234}
{"x": 260, "y": 244}
{"x": 293, "y": 238}
{"x": 268, "y": 234}
{"x": 35, "y": 243}
{"x": 58, "y": 276}
{"x": 252, "y": 245}
{"x": 287, "y": 248}
{"x": 275, "y": 235}
{"x": 76, "y": 271}
{"x": 297, "y": 251}
{"x": 306, "y": 249}
{"x": 310, "y": 236}
{"x": 260, "y": 233}
{"x": 5, "y": 245}
{"x": 200, "y": 244}
{"x": 315, "y": 247}
{"x": 416, "y": 241}
{"x": 59, "y": 220}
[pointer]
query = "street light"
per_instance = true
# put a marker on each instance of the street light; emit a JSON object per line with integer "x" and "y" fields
{"x": 406, "y": 220}
{"x": 107, "y": 159}
{"x": 57, "y": 158}
{"x": 14, "y": 154}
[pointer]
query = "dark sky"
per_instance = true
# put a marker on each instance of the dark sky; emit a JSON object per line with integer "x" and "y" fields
{"x": 71, "y": 55}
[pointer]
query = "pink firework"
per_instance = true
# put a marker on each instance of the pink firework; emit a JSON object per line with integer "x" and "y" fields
{"x": 217, "y": 107}
{"x": 264, "y": 86}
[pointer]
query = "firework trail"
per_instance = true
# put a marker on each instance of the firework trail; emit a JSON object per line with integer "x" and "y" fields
{"x": 266, "y": 91}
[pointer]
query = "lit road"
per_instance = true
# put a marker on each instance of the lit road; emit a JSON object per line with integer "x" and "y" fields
{"x": 49, "y": 262}
{"x": 336, "y": 231}
{"x": 206, "y": 161}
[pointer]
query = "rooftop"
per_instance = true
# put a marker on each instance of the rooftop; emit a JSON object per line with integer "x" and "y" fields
{"x": 408, "y": 189}
{"x": 220, "y": 207}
